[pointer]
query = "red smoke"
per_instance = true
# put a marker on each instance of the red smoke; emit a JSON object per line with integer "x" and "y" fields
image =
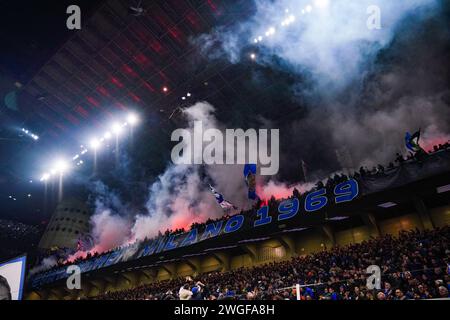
{"x": 427, "y": 143}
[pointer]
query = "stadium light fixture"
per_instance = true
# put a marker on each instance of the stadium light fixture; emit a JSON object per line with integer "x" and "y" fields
{"x": 45, "y": 177}
{"x": 107, "y": 135}
{"x": 61, "y": 166}
{"x": 95, "y": 144}
{"x": 116, "y": 128}
{"x": 188, "y": 94}
{"x": 388, "y": 204}
{"x": 252, "y": 56}
{"x": 443, "y": 189}
{"x": 337, "y": 218}
{"x": 132, "y": 119}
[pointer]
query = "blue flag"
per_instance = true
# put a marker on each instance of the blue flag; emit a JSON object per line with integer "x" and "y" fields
{"x": 224, "y": 204}
{"x": 250, "y": 179}
{"x": 412, "y": 141}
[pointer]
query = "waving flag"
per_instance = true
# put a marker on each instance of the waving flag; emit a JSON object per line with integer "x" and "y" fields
{"x": 221, "y": 201}
{"x": 85, "y": 242}
{"x": 412, "y": 141}
{"x": 250, "y": 179}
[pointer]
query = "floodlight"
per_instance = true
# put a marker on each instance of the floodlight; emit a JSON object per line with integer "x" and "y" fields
{"x": 61, "y": 166}
{"x": 116, "y": 128}
{"x": 107, "y": 135}
{"x": 132, "y": 119}
{"x": 95, "y": 144}
{"x": 321, "y": 3}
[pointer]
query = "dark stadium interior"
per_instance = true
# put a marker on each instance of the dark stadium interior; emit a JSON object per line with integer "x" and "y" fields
{"x": 124, "y": 212}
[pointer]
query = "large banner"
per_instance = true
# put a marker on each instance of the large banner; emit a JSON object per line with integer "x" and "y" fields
{"x": 12, "y": 277}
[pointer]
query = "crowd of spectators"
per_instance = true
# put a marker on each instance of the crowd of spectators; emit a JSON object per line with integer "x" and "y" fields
{"x": 413, "y": 265}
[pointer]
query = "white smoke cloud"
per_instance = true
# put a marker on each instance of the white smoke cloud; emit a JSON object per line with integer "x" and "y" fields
{"x": 179, "y": 197}
{"x": 46, "y": 264}
{"x": 358, "y": 107}
{"x": 331, "y": 43}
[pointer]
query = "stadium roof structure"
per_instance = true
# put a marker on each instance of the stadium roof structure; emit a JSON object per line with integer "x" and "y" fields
{"x": 150, "y": 64}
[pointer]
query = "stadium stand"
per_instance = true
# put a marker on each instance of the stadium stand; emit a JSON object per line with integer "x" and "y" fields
{"x": 414, "y": 266}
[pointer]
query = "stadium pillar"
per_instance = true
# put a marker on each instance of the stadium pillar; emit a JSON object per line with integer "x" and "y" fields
{"x": 252, "y": 252}
{"x": 371, "y": 223}
{"x": 423, "y": 214}
{"x": 171, "y": 269}
{"x": 328, "y": 230}
{"x": 195, "y": 264}
{"x": 288, "y": 244}
{"x": 131, "y": 277}
{"x": 148, "y": 275}
{"x": 56, "y": 294}
{"x": 224, "y": 260}
{"x": 97, "y": 285}
{"x": 85, "y": 289}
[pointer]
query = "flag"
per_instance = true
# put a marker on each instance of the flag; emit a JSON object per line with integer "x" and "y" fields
{"x": 305, "y": 170}
{"x": 250, "y": 179}
{"x": 221, "y": 201}
{"x": 412, "y": 141}
{"x": 85, "y": 242}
